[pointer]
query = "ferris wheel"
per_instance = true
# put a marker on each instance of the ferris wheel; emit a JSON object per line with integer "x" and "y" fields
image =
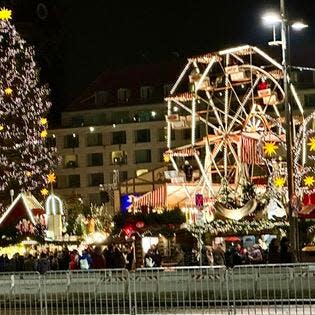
{"x": 229, "y": 100}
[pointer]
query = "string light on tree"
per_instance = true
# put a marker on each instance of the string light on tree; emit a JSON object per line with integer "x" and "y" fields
{"x": 25, "y": 160}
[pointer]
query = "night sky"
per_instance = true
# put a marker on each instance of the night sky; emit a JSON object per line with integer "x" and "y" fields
{"x": 85, "y": 38}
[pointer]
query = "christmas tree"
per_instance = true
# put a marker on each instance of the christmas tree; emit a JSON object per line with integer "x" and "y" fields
{"x": 25, "y": 160}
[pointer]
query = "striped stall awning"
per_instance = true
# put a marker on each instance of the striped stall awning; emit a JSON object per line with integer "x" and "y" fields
{"x": 155, "y": 198}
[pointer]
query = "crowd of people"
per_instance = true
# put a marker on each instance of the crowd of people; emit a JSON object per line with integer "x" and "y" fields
{"x": 237, "y": 254}
{"x": 114, "y": 256}
{"x": 90, "y": 258}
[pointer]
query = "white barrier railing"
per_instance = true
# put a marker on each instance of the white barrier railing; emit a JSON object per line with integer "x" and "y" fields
{"x": 254, "y": 289}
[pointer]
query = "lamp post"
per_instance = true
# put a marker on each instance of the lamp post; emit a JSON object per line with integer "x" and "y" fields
{"x": 292, "y": 201}
{"x": 289, "y": 131}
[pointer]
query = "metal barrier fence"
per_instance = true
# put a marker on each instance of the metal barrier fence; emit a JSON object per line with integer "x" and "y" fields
{"x": 254, "y": 289}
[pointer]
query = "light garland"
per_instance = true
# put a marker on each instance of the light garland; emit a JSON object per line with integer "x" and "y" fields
{"x": 244, "y": 227}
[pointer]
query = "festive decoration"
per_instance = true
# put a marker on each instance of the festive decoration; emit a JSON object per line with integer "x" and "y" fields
{"x": 43, "y": 134}
{"x": 24, "y": 158}
{"x": 309, "y": 181}
{"x": 43, "y": 121}
{"x": 44, "y": 191}
{"x": 311, "y": 144}
{"x": 51, "y": 178}
{"x": 8, "y": 91}
{"x": 279, "y": 182}
{"x": 244, "y": 227}
{"x": 270, "y": 148}
{"x": 5, "y": 14}
{"x": 164, "y": 223}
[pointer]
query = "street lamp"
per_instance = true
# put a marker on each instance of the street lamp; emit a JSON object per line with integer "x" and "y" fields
{"x": 283, "y": 20}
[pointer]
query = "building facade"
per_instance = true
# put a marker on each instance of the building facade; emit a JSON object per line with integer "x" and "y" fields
{"x": 115, "y": 131}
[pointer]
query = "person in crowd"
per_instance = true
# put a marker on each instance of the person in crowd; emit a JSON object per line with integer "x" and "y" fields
{"x": 273, "y": 256}
{"x": 188, "y": 170}
{"x": 178, "y": 256}
{"x": 43, "y": 263}
{"x": 109, "y": 255}
{"x": 149, "y": 259}
{"x": 118, "y": 258}
{"x": 263, "y": 247}
{"x": 285, "y": 251}
{"x": 74, "y": 260}
{"x": 85, "y": 260}
{"x": 64, "y": 259}
{"x": 255, "y": 255}
{"x": 29, "y": 264}
{"x": 129, "y": 258}
{"x": 218, "y": 255}
{"x": 157, "y": 258}
{"x": 98, "y": 259}
{"x": 54, "y": 262}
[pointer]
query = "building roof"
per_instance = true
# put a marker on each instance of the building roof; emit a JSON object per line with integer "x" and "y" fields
{"x": 24, "y": 206}
{"x": 131, "y": 77}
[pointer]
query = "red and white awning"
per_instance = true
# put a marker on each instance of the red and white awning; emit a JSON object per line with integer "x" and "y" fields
{"x": 155, "y": 198}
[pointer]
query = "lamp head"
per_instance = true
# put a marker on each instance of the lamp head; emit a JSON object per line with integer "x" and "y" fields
{"x": 271, "y": 18}
{"x": 297, "y": 26}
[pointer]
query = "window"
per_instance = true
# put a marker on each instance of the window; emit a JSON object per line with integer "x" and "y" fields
{"x": 94, "y": 139}
{"x": 142, "y": 135}
{"x": 70, "y": 160}
{"x": 96, "y": 179}
{"x": 68, "y": 181}
{"x": 95, "y": 159}
{"x": 162, "y": 134}
{"x": 120, "y": 117}
{"x": 186, "y": 134}
{"x": 309, "y": 100}
{"x": 143, "y": 156}
{"x": 123, "y": 95}
{"x": 146, "y": 93}
{"x": 101, "y": 97}
{"x": 119, "y": 137}
{"x": 74, "y": 181}
{"x": 77, "y": 121}
{"x": 71, "y": 141}
{"x": 119, "y": 157}
{"x": 51, "y": 141}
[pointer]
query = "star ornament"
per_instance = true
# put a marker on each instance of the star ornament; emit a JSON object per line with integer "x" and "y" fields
{"x": 279, "y": 182}
{"x": 309, "y": 180}
{"x": 8, "y": 91}
{"x": 44, "y": 192}
{"x": 5, "y": 14}
{"x": 311, "y": 144}
{"x": 43, "y": 121}
{"x": 43, "y": 134}
{"x": 270, "y": 148}
{"x": 51, "y": 178}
